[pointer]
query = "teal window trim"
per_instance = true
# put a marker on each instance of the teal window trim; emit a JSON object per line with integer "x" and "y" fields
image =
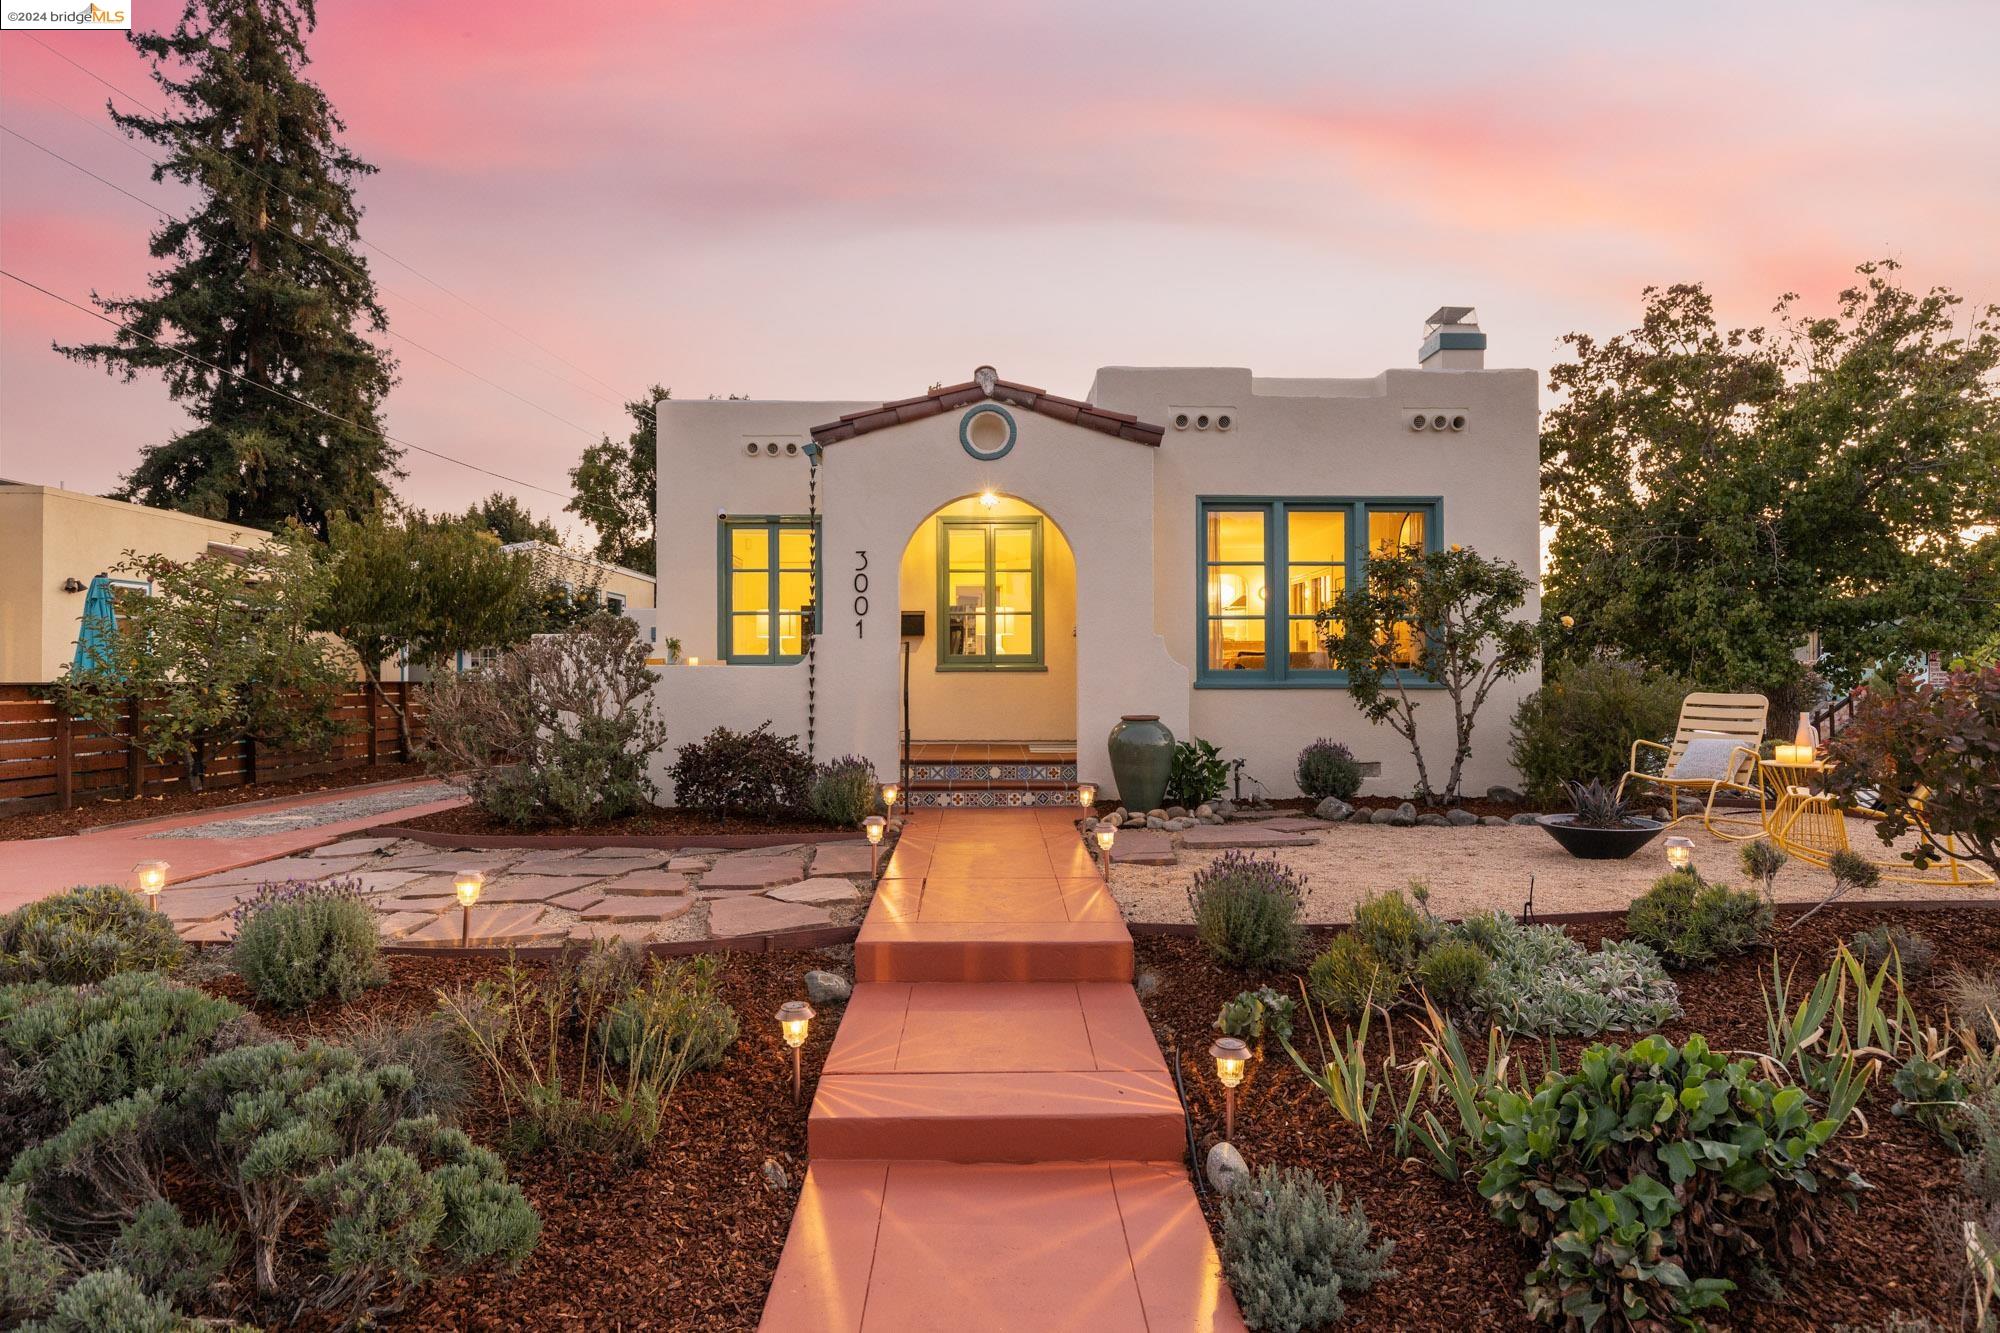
{"x": 772, "y": 524}
{"x": 1278, "y": 673}
{"x": 989, "y": 660}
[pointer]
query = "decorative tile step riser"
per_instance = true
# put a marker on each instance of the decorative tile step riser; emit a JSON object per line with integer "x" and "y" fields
{"x": 1006, "y": 771}
{"x": 996, "y": 798}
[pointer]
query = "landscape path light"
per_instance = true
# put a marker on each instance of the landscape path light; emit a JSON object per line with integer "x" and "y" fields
{"x": 1680, "y": 852}
{"x": 1086, "y": 794}
{"x": 467, "y": 884}
{"x": 794, "y": 1017}
{"x": 1106, "y": 835}
{"x": 149, "y": 877}
{"x": 890, "y": 791}
{"x": 1230, "y": 1054}
{"x": 874, "y": 827}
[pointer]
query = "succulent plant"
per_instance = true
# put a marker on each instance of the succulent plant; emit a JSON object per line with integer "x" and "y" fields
{"x": 1597, "y": 806}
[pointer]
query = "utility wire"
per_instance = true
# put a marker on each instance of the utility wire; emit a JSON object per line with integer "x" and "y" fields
{"x": 495, "y": 320}
{"x": 399, "y": 337}
{"x": 280, "y": 393}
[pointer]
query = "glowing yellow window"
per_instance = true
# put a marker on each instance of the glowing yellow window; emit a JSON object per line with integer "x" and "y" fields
{"x": 1236, "y": 588}
{"x": 1393, "y": 532}
{"x": 768, "y": 590}
{"x": 990, "y": 594}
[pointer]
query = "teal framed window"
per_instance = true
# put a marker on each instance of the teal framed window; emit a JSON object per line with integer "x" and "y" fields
{"x": 1266, "y": 566}
{"x": 990, "y": 594}
{"x": 768, "y": 565}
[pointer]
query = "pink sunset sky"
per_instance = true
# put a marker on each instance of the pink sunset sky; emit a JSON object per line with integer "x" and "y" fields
{"x": 818, "y": 200}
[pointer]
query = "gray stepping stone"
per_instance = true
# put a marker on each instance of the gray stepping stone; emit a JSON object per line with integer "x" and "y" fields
{"x": 639, "y": 909}
{"x": 189, "y": 906}
{"x": 688, "y": 864}
{"x": 219, "y": 931}
{"x": 395, "y": 925}
{"x": 385, "y": 881}
{"x": 357, "y": 847}
{"x": 820, "y": 889}
{"x": 840, "y": 858}
{"x": 544, "y": 864}
{"x": 491, "y": 927}
{"x": 753, "y": 872}
{"x": 1143, "y": 847}
{"x": 1292, "y": 825}
{"x": 638, "y": 854}
{"x": 578, "y": 899}
{"x": 645, "y": 882}
{"x": 1208, "y": 837}
{"x": 512, "y": 888}
{"x": 428, "y": 907}
{"x": 634, "y": 932}
{"x": 751, "y": 915}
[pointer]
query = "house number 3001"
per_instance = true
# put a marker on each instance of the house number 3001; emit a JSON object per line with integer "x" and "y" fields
{"x": 860, "y": 594}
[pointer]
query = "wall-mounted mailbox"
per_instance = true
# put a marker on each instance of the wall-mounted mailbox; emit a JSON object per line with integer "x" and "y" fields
{"x": 913, "y": 624}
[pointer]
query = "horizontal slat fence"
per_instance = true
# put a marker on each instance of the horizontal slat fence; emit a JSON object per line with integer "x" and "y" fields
{"x": 49, "y": 761}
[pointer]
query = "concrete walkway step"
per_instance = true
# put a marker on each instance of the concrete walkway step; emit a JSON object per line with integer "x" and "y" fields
{"x": 912, "y": 1247}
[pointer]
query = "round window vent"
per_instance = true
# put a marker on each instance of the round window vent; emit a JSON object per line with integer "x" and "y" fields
{"x": 751, "y": 448}
{"x": 1419, "y": 421}
{"x": 1181, "y": 421}
{"x": 1439, "y": 422}
{"x": 1458, "y": 422}
{"x": 1201, "y": 422}
{"x": 1224, "y": 422}
{"x": 772, "y": 448}
{"x": 987, "y": 432}
{"x": 791, "y": 446}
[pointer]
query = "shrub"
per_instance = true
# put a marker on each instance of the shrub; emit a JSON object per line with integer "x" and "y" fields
{"x": 756, "y": 774}
{"x": 1933, "y": 1095}
{"x": 1452, "y": 972}
{"x": 300, "y": 942}
{"x": 1581, "y": 723}
{"x": 109, "y": 1299}
{"x": 32, "y": 1267}
{"x": 1597, "y": 806}
{"x": 672, "y": 1024}
{"x": 95, "y": 1173}
{"x": 1762, "y": 860}
{"x": 1694, "y": 923}
{"x": 1291, "y": 1250}
{"x": 1876, "y": 946}
{"x": 1347, "y": 976}
{"x": 1974, "y": 998}
{"x": 435, "y": 1053}
{"x": 1197, "y": 775}
{"x": 1253, "y": 1012}
{"x": 65, "y": 1050}
{"x": 85, "y": 935}
{"x": 1931, "y": 755}
{"x": 1327, "y": 768}
{"x": 167, "y": 1257}
{"x": 559, "y": 730}
{"x": 1648, "y": 1174}
{"x": 1543, "y": 983}
{"x": 1394, "y": 931}
{"x": 1246, "y": 910}
{"x": 843, "y": 791}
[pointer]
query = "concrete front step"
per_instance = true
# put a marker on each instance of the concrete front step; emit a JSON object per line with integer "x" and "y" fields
{"x": 994, "y": 951}
{"x": 1111, "y": 1116}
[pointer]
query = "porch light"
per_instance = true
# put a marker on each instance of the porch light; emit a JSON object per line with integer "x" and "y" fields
{"x": 1680, "y": 852}
{"x": 1230, "y": 1054}
{"x": 149, "y": 877}
{"x": 1086, "y": 794}
{"x": 988, "y": 500}
{"x": 1105, "y": 835}
{"x": 794, "y": 1017}
{"x": 466, "y": 884}
{"x": 874, "y": 826}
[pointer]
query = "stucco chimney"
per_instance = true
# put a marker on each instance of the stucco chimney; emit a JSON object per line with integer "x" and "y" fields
{"x": 1452, "y": 340}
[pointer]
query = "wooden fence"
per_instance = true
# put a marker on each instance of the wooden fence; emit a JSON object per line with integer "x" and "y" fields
{"x": 51, "y": 761}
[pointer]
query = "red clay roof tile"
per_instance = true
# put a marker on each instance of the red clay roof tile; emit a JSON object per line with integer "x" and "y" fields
{"x": 1025, "y": 396}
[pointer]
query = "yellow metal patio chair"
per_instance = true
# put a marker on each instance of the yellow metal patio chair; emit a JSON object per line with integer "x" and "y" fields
{"x": 1714, "y": 751}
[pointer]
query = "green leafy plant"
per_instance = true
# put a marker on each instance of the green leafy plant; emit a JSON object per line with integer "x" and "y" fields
{"x": 1393, "y": 930}
{"x": 559, "y": 730}
{"x": 1453, "y": 972}
{"x": 1930, "y": 754}
{"x": 1344, "y": 1077}
{"x": 1597, "y": 806}
{"x": 1932, "y": 1094}
{"x": 1445, "y": 1070}
{"x": 1292, "y": 1251}
{"x": 95, "y": 1173}
{"x": 843, "y": 792}
{"x": 1328, "y": 768}
{"x": 1255, "y": 1012}
{"x": 167, "y": 1257}
{"x": 1443, "y": 619}
{"x": 1544, "y": 983}
{"x": 110, "y": 1298}
{"x": 1581, "y": 722}
{"x": 32, "y": 1267}
{"x": 1850, "y": 871}
{"x": 756, "y": 774}
{"x": 1878, "y": 945}
{"x": 1651, "y": 1173}
{"x": 1694, "y": 923}
{"x": 85, "y": 935}
{"x": 672, "y": 1023}
{"x": 1762, "y": 859}
{"x": 298, "y": 942}
{"x": 1246, "y": 910}
{"x": 1197, "y": 775}
{"x": 1348, "y": 977}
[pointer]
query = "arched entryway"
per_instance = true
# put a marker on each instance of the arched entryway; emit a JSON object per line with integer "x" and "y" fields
{"x": 990, "y": 681}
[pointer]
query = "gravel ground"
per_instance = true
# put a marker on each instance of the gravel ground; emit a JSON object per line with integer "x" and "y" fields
{"x": 315, "y": 816}
{"x": 1478, "y": 869}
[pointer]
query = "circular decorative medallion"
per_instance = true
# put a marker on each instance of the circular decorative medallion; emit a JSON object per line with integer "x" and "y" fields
{"x": 987, "y": 431}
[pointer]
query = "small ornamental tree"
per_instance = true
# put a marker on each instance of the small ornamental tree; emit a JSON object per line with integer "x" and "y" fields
{"x": 224, "y": 647}
{"x": 1430, "y": 618}
{"x": 1931, "y": 755}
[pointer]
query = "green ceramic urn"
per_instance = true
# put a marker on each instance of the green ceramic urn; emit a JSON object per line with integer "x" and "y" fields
{"x": 1142, "y": 754}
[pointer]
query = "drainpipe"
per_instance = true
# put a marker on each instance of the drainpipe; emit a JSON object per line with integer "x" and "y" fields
{"x": 813, "y": 456}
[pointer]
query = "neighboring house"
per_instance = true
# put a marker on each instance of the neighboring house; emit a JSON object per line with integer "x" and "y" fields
{"x": 1012, "y": 572}
{"x": 54, "y": 544}
{"x": 621, "y": 591}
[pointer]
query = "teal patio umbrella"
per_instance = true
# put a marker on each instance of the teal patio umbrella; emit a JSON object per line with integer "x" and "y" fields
{"x": 100, "y": 622}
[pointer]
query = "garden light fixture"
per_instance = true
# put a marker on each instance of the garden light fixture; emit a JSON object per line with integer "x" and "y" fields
{"x": 890, "y": 791}
{"x": 1680, "y": 852}
{"x": 794, "y": 1017}
{"x": 874, "y": 826}
{"x": 1230, "y": 1054}
{"x": 1106, "y": 835}
{"x": 1086, "y": 794}
{"x": 467, "y": 884}
{"x": 149, "y": 877}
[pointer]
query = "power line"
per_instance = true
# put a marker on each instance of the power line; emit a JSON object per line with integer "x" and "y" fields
{"x": 280, "y": 393}
{"x": 255, "y": 175}
{"x": 332, "y": 259}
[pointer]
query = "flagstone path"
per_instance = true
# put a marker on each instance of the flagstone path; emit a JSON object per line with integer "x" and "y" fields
{"x": 995, "y": 1141}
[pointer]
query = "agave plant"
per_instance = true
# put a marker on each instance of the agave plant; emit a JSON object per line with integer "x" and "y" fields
{"x": 1597, "y": 806}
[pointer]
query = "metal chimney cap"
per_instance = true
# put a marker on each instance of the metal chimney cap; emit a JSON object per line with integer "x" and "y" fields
{"x": 1452, "y": 314}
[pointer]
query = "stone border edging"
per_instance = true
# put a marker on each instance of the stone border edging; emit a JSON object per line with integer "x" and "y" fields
{"x": 1186, "y": 930}
{"x": 780, "y": 941}
{"x": 487, "y": 842}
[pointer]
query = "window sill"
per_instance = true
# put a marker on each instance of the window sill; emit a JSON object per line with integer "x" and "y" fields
{"x": 1002, "y": 668}
{"x": 1246, "y": 680}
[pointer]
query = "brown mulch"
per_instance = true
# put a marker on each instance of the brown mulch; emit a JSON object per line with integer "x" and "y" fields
{"x": 688, "y": 1238}
{"x": 1458, "y": 1268}
{"x": 97, "y": 814}
{"x": 654, "y": 822}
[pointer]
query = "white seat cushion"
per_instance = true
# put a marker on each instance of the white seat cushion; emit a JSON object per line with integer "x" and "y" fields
{"x": 1706, "y": 759}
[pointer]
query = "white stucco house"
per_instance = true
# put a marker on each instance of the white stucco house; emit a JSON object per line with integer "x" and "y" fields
{"x": 1003, "y": 573}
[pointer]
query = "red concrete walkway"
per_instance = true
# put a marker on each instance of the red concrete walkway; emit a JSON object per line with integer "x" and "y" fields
{"x": 37, "y": 867}
{"x": 995, "y": 1140}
